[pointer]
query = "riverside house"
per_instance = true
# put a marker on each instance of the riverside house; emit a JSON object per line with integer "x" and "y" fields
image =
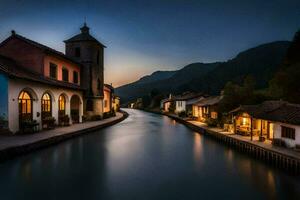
{"x": 206, "y": 108}
{"x": 272, "y": 120}
{"x": 184, "y": 102}
{"x": 108, "y": 98}
{"x": 116, "y": 103}
{"x": 41, "y": 87}
{"x": 165, "y": 103}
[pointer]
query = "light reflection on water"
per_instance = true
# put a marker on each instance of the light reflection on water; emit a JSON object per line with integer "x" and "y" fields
{"x": 147, "y": 156}
{"x": 198, "y": 151}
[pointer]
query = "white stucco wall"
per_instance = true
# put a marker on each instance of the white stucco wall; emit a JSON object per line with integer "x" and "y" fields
{"x": 289, "y": 142}
{"x": 37, "y": 90}
{"x": 180, "y": 106}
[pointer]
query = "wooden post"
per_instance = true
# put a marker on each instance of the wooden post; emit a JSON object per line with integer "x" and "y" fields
{"x": 251, "y": 121}
{"x": 261, "y": 121}
{"x": 268, "y": 129}
{"x": 234, "y": 124}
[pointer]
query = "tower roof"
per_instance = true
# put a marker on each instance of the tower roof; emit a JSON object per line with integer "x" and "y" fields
{"x": 84, "y": 36}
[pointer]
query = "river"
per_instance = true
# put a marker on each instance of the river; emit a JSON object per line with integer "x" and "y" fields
{"x": 147, "y": 156}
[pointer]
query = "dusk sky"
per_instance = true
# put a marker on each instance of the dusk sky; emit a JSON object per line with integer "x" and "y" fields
{"x": 145, "y": 36}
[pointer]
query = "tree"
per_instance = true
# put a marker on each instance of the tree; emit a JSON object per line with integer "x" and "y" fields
{"x": 236, "y": 95}
{"x": 172, "y": 107}
{"x": 154, "y": 92}
{"x": 248, "y": 90}
{"x": 155, "y": 102}
{"x": 231, "y": 97}
{"x": 285, "y": 83}
{"x": 293, "y": 53}
{"x": 146, "y": 100}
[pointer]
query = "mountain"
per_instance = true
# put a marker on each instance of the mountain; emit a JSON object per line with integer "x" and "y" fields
{"x": 171, "y": 83}
{"x": 260, "y": 62}
{"x": 156, "y": 76}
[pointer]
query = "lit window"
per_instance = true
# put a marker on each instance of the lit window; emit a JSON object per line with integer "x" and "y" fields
{"x": 25, "y": 106}
{"x": 214, "y": 115}
{"x": 46, "y": 103}
{"x": 245, "y": 121}
{"x": 62, "y": 104}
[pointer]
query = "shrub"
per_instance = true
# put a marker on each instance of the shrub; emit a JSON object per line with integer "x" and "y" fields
{"x": 65, "y": 120}
{"x": 278, "y": 142}
{"x": 172, "y": 107}
{"x": 211, "y": 122}
{"x": 182, "y": 114}
{"x": 96, "y": 117}
{"x": 49, "y": 122}
{"x": 106, "y": 115}
{"x": 84, "y": 118}
{"x": 109, "y": 114}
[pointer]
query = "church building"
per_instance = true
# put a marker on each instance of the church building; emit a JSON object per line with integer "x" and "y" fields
{"x": 42, "y": 87}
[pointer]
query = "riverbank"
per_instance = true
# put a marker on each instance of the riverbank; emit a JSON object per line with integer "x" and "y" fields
{"x": 12, "y": 146}
{"x": 279, "y": 157}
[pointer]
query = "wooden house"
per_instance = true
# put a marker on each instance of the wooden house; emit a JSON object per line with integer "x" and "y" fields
{"x": 206, "y": 108}
{"x": 269, "y": 120}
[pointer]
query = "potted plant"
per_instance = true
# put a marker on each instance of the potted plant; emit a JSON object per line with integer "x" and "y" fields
{"x": 29, "y": 125}
{"x": 49, "y": 122}
{"x": 66, "y": 120}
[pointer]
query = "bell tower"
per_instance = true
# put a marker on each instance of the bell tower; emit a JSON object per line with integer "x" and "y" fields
{"x": 89, "y": 52}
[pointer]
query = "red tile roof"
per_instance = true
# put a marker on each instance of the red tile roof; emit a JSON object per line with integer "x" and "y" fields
{"x": 9, "y": 67}
{"x": 42, "y": 47}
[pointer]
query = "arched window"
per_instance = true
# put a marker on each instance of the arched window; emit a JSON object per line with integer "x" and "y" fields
{"x": 46, "y": 105}
{"x": 25, "y": 106}
{"x": 62, "y": 105}
{"x": 61, "y": 109}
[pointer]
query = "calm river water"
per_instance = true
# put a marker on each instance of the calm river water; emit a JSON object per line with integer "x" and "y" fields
{"x": 147, "y": 156}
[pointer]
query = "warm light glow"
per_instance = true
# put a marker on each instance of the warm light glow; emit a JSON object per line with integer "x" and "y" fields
{"x": 61, "y": 102}
{"x": 46, "y": 103}
{"x": 167, "y": 106}
{"x": 198, "y": 150}
{"x": 244, "y": 121}
{"x": 25, "y": 102}
{"x": 107, "y": 99}
{"x": 214, "y": 115}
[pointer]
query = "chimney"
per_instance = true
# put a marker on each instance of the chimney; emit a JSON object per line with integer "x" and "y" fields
{"x": 13, "y": 32}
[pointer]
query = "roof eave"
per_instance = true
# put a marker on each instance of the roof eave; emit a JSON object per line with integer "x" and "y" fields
{"x": 96, "y": 41}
